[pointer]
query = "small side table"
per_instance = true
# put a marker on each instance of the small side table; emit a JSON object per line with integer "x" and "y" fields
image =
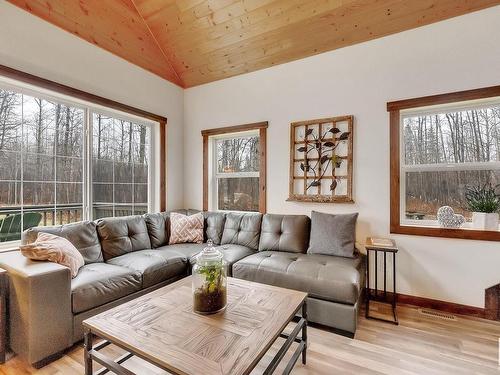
{"x": 4, "y": 285}
{"x": 383, "y": 246}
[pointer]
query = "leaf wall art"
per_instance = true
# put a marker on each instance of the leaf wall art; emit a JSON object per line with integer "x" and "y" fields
{"x": 321, "y": 160}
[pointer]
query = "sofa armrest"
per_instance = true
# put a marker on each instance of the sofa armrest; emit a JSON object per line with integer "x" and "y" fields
{"x": 39, "y": 305}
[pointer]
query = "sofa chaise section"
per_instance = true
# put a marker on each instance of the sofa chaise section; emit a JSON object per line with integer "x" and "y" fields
{"x": 334, "y": 284}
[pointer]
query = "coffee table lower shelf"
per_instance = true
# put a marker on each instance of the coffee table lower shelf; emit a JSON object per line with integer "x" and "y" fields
{"x": 91, "y": 351}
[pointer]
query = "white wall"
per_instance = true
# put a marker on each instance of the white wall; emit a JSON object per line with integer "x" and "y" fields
{"x": 32, "y": 45}
{"x": 457, "y": 54}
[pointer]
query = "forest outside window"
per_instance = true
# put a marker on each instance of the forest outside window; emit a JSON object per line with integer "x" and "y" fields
{"x": 235, "y": 184}
{"x": 444, "y": 151}
{"x": 64, "y": 161}
{"x": 234, "y": 168}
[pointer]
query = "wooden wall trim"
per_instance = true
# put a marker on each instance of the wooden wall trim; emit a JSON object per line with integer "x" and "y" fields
{"x": 465, "y": 234}
{"x": 394, "y": 131}
{"x": 394, "y": 170}
{"x": 453, "y": 97}
{"x": 163, "y": 166}
{"x": 263, "y": 170}
{"x": 235, "y": 129}
{"x": 76, "y": 93}
{"x": 449, "y": 307}
{"x": 91, "y": 98}
{"x": 262, "y": 127}
{"x": 205, "y": 172}
{"x": 429, "y": 303}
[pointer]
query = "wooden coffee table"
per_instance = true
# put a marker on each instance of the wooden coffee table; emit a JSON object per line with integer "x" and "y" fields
{"x": 161, "y": 328}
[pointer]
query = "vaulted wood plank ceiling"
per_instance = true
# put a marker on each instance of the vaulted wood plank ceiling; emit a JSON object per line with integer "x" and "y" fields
{"x": 191, "y": 42}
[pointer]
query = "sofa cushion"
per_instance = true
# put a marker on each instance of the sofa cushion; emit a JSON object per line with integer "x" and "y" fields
{"x": 154, "y": 266}
{"x": 325, "y": 277}
{"x": 213, "y": 226}
{"x": 242, "y": 229}
{"x": 121, "y": 235}
{"x": 232, "y": 254}
{"x": 285, "y": 233}
{"x": 83, "y": 235}
{"x": 187, "y": 250}
{"x": 158, "y": 225}
{"x": 333, "y": 234}
{"x": 99, "y": 283}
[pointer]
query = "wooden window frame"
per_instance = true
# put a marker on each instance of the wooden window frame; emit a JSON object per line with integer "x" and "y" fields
{"x": 394, "y": 109}
{"x": 262, "y": 128}
{"x": 43, "y": 83}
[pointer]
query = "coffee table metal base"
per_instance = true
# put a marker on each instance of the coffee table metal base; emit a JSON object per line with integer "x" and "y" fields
{"x": 91, "y": 352}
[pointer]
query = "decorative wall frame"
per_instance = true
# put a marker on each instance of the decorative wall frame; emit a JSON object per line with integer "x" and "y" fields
{"x": 321, "y": 160}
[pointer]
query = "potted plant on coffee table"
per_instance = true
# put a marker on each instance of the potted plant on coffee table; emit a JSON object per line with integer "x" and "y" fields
{"x": 484, "y": 202}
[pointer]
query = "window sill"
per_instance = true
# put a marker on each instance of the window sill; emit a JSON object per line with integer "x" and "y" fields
{"x": 433, "y": 231}
{"x": 9, "y": 246}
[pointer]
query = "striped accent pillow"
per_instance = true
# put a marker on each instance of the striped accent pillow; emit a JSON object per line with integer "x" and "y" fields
{"x": 185, "y": 229}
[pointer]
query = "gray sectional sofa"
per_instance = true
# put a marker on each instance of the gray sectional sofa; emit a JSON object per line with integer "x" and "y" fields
{"x": 129, "y": 256}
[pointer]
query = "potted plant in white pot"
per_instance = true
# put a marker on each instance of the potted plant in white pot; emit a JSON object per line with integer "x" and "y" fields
{"x": 484, "y": 202}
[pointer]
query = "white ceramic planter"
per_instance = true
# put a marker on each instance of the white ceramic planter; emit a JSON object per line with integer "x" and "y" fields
{"x": 485, "y": 221}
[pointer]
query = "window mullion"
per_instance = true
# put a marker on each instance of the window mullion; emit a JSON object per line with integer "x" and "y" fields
{"x": 87, "y": 165}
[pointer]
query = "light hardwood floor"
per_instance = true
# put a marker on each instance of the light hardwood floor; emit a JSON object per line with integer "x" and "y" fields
{"x": 421, "y": 344}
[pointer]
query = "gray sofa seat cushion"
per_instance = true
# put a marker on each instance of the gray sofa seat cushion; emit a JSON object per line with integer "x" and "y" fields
{"x": 232, "y": 254}
{"x": 333, "y": 234}
{"x": 325, "y": 277}
{"x": 121, "y": 235}
{"x": 186, "y": 250}
{"x": 242, "y": 229}
{"x": 285, "y": 233}
{"x": 158, "y": 226}
{"x": 99, "y": 283}
{"x": 154, "y": 266}
{"x": 83, "y": 235}
{"x": 213, "y": 226}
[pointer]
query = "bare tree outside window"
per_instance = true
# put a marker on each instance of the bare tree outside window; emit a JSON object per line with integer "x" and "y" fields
{"x": 237, "y": 173}
{"x": 446, "y": 151}
{"x": 120, "y": 167}
{"x": 42, "y": 153}
{"x": 41, "y": 150}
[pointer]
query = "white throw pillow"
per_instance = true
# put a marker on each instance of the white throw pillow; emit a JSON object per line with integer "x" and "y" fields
{"x": 55, "y": 249}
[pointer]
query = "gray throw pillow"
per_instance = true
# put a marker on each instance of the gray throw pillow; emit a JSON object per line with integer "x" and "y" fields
{"x": 333, "y": 234}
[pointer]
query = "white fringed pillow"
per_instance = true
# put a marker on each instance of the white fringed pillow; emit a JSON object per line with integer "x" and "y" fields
{"x": 55, "y": 249}
{"x": 186, "y": 229}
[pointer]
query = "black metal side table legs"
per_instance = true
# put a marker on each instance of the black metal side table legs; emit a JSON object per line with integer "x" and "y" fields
{"x": 375, "y": 294}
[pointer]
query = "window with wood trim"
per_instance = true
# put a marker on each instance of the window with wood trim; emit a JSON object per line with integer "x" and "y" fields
{"x": 64, "y": 159}
{"x": 234, "y": 168}
{"x": 442, "y": 148}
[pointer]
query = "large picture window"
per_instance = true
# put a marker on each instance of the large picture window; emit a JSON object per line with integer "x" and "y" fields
{"x": 235, "y": 168}
{"x": 63, "y": 162}
{"x": 442, "y": 148}
{"x": 445, "y": 151}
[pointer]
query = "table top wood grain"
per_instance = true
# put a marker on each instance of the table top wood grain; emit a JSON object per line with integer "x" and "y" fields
{"x": 162, "y": 328}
